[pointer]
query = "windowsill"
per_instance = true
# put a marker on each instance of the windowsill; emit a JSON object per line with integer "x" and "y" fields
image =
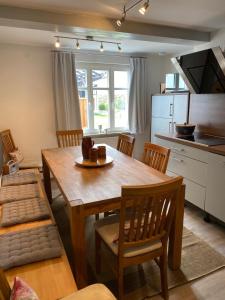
{"x": 102, "y": 135}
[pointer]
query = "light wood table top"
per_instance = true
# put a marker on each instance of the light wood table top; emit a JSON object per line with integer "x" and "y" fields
{"x": 98, "y": 184}
{"x": 51, "y": 279}
{"x": 91, "y": 191}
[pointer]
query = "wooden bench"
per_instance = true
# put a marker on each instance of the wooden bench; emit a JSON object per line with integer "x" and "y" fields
{"x": 51, "y": 279}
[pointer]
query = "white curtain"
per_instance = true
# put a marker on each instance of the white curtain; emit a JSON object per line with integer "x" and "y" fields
{"x": 138, "y": 94}
{"x": 67, "y": 107}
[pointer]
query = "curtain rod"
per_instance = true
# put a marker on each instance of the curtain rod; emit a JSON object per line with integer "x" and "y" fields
{"x": 99, "y": 54}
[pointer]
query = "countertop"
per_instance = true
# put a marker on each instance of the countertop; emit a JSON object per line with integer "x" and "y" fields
{"x": 213, "y": 149}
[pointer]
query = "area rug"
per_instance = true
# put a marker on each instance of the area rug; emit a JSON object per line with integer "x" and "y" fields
{"x": 142, "y": 282}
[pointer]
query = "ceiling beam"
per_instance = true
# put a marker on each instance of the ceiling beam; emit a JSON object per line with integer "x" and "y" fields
{"x": 98, "y": 26}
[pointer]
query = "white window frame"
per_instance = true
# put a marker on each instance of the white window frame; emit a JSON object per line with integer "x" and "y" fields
{"x": 110, "y": 68}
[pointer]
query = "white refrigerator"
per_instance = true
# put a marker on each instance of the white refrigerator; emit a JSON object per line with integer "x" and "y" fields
{"x": 167, "y": 110}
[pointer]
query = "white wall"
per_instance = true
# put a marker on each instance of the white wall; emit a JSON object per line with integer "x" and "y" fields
{"x": 217, "y": 39}
{"x": 26, "y": 101}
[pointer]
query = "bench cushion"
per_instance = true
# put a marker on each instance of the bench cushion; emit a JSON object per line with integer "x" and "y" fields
{"x": 92, "y": 292}
{"x": 28, "y": 246}
{"x": 18, "y": 192}
{"x": 19, "y": 178}
{"x": 23, "y": 211}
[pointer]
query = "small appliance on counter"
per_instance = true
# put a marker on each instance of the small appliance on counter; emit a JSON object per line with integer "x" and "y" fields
{"x": 185, "y": 129}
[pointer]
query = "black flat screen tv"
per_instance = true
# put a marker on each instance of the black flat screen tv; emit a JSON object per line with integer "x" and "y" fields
{"x": 204, "y": 71}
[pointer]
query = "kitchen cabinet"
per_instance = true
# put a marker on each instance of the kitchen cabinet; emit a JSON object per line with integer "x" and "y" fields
{"x": 215, "y": 191}
{"x": 167, "y": 110}
{"x": 192, "y": 164}
{"x": 204, "y": 176}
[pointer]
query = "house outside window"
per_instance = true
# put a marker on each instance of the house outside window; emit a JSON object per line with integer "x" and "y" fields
{"x": 103, "y": 91}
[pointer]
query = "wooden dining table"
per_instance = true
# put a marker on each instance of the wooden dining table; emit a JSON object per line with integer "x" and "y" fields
{"x": 89, "y": 191}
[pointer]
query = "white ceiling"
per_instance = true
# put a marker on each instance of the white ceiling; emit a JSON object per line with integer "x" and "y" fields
{"x": 197, "y": 14}
{"x": 46, "y": 38}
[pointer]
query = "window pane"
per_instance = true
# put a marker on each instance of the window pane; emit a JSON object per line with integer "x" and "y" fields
{"x": 182, "y": 84}
{"x": 120, "y": 79}
{"x": 100, "y": 79}
{"x": 101, "y": 109}
{"x": 81, "y": 75}
{"x": 170, "y": 81}
{"x": 121, "y": 108}
{"x": 84, "y": 108}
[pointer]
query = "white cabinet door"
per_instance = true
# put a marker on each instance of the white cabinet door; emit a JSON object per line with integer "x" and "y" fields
{"x": 180, "y": 109}
{"x": 160, "y": 125}
{"x": 162, "y": 106}
{"x": 215, "y": 189}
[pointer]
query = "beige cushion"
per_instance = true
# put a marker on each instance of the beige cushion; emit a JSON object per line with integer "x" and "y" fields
{"x": 108, "y": 229}
{"x": 19, "y": 178}
{"x": 92, "y": 292}
{"x": 18, "y": 192}
{"x": 28, "y": 164}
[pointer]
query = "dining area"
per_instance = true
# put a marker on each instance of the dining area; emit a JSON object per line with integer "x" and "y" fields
{"x": 138, "y": 209}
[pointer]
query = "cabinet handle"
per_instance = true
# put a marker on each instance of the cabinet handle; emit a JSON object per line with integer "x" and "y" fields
{"x": 178, "y": 160}
{"x": 179, "y": 150}
{"x": 171, "y": 109}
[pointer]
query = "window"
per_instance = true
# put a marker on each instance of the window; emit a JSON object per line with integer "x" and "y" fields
{"x": 174, "y": 82}
{"x": 103, "y": 92}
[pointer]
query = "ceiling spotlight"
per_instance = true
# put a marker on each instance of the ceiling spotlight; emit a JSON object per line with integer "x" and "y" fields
{"x": 119, "y": 47}
{"x": 101, "y": 47}
{"x": 57, "y": 43}
{"x": 121, "y": 21}
{"x": 144, "y": 8}
{"x": 77, "y": 45}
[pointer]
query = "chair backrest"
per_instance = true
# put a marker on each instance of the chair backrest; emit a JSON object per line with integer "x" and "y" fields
{"x": 156, "y": 156}
{"x": 7, "y": 143}
{"x": 125, "y": 144}
{"x": 5, "y": 289}
{"x": 68, "y": 138}
{"x": 147, "y": 213}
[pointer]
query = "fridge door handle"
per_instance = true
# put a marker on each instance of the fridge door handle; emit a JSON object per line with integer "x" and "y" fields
{"x": 174, "y": 126}
{"x": 171, "y": 109}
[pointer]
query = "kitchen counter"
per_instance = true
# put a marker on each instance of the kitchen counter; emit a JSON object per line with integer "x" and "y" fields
{"x": 213, "y": 149}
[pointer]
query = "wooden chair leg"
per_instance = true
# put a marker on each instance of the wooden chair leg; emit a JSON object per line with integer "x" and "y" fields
{"x": 163, "y": 274}
{"x": 97, "y": 253}
{"x": 120, "y": 284}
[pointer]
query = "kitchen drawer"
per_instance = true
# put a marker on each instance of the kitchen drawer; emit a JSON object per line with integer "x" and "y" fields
{"x": 194, "y": 192}
{"x": 191, "y": 169}
{"x": 188, "y": 151}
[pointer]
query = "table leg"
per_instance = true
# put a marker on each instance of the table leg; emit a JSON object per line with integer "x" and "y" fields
{"x": 47, "y": 179}
{"x": 77, "y": 226}
{"x": 175, "y": 239}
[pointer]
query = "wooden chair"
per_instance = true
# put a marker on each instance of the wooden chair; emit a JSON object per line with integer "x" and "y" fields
{"x": 5, "y": 289}
{"x": 69, "y": 138}
{"x": 143, "y": 229}
{"x": 7, "y": 142}
{"x": 156, "y": 156}
{"x": 126, "y": 144}
{"x": 9, "y": 146}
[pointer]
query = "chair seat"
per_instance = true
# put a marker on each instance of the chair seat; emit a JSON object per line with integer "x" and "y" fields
{"x": 92, "y": 292}
{"x": 29, "y": 164}
{"x": 108, "y": 229}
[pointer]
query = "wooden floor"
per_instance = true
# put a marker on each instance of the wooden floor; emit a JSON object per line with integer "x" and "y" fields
{"x": 211, "y": 287}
